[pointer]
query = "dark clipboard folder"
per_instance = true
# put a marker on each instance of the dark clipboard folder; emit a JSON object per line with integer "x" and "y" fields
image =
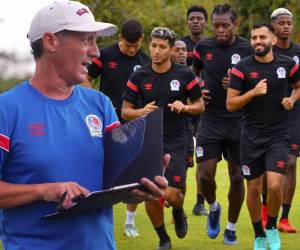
{"x": 132, "y": 151}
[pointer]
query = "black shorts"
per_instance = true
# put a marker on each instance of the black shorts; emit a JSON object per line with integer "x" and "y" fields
{"x": 176, "y": 171}
{"x": 263, "y": 152}
{"x": 214, "y": 139}
{"x": 294, "y": 133}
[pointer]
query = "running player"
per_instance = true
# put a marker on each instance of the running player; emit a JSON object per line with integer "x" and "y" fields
{"x": 168, "y": 85}
{"x": 219, "y": 130}
{"x": 259, "y": 85}
{"x": 282, "y": 21}
{"x": 197, "y": 22}
{"x": 115, "y": 65}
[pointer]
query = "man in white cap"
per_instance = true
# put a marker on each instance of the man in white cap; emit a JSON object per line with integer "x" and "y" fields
{"x": 282, "y": 21}
{"x": 51, "y": 137}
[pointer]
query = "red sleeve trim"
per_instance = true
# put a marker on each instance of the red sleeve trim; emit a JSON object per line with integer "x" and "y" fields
{"x": 237, "y": 73}
{"x": 98, "y": 62}
{"x": 294, "y": 69}
{"x": 112, "y": 126}
{"x": 4, "y": 142}
{"x": 196, "y": 55}
{"x": 192, "y": 84}
{"x": 132, "y": 86}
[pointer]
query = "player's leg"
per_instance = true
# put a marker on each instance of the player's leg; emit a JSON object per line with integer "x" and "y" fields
{"x": 130, "y": 229}
{"x": 156, "y": 215}
{"x": 264, "y": 208}
{"x": 289, "y": 186}
{"x": 209, "y": 152}
{"x": 276, "y": 161}
{"x": 236, "y": 197}
{"x": 236, "y": 192}
{"x": 176, "y": 176}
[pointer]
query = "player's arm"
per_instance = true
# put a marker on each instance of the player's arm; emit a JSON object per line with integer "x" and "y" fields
{"x": 129, "y": 112}
{"x": 288, "y": 102}
{"x": 236, "y": 101}
{"x": 194, "y": 107}
{"x": 13, "y": 195}
{"x": 94, "y": 70}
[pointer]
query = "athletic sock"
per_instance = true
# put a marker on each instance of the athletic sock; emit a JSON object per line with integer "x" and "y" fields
{"x": 214, "y": 206}
{"x": 162, "y": 234}
{"x": 271, "y": 222}
{"x": 200, "y": 199}
{"x": 258, "y": 229}
{"x": 130, "y": 217}
{"x": 264, "y": 199}
{"x": 230, "y": 226}
{"x": 285, "y": 211}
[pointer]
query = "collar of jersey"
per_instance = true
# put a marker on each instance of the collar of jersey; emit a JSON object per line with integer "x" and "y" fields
{"x": 37, "y": 94}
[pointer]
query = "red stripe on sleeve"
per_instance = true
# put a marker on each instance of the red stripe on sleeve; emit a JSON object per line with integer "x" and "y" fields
{"x": 98, "y": 62}
{"x": 132, "y": 86}
{"x": 294, "y": 69}
{"x": 237, "y": 73}
{"x": 192, "y": 84}
{"x": 196, "y": 54}
{"x": 4, "y": 142}
{"x": 112, "y": 126}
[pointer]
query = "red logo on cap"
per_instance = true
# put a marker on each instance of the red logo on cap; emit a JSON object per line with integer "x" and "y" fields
{"x": 82, "y": 11}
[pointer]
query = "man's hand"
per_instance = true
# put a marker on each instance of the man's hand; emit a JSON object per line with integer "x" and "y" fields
{"x": 287, "y": 103}
{"x": 226, "y": 80}
{"x": 260, "y": 88}
{"x": 156, "y": 188}
{"x": 177, "y": 107}
{"x": 55, "y": 191}
{"x": 205, "y": 96}
{"x": 149, "y": 108}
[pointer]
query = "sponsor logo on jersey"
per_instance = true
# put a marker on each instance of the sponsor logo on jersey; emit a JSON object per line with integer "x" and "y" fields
{"x": 246, "y": 170}
{"x": 209, "y": 56}
{"x": 113, "y": 65}
{"x": 254, "y": 75}
{"x": 281, "y": 73}
{"x": 294, "y": 146}
{"x": 281, "y": 164}
{"x": 296, "y": 59}
{"x": 148, "y": 86}
{"x": 136, "y": 67}
{"x": 94, "y": 124}
{"x": 37, "y": 129}
{"x": 199, "y": 151}
{"x": 177, "y": 178}
{"x": 235, "y": 58}
{"x": 175, "y": 85}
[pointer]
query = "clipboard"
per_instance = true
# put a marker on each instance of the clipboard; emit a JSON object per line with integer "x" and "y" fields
{"x": 131, "y": 151}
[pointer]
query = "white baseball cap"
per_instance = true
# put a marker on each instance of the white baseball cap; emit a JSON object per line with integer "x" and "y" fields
{"x": 281, "y": 11}
{"x": 67, "y": 15}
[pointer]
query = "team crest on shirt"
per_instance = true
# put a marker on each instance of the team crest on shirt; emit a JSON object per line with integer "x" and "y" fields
{"x": 246, "y": 170}
{"x": 136, "y": 67}
{"x": 235, "y": 58}
{"x": 94, "y": 124}
{"x": 175, "y": 85}
{"x": 296, "y": 59}
{"x": 281, "y": 73}
{"x": 199, "y": 151}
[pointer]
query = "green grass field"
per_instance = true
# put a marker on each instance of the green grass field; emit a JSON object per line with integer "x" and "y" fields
{"x": 196, "y": 238}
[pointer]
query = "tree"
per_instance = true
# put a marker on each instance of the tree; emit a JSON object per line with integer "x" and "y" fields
{"x": 251, "y": 12}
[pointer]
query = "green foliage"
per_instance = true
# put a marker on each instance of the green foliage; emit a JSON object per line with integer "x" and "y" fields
{"x": 170, "y": 13}
{"x": 6, "y": 84}
{"x": 251, "y": 12}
